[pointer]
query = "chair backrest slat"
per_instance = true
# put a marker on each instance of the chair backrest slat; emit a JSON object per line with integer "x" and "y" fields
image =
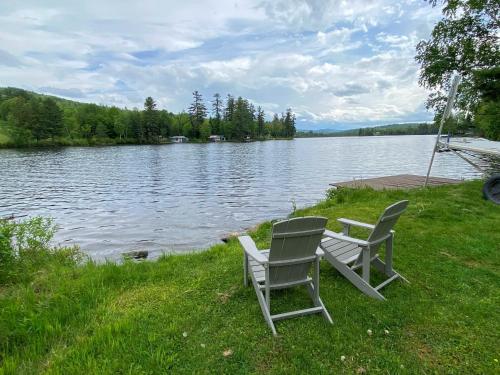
{"x": 387, "y": 221}
{"x": 299, "y": 233}
{"x": 295, "y": 240}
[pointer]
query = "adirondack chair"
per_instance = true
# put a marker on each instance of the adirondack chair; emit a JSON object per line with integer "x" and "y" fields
{"x": 294, "y": 249}
{"x": 348, "y": 254}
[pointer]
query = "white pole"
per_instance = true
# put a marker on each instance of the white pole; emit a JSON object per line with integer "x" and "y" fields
{"x": 446, "y": 114}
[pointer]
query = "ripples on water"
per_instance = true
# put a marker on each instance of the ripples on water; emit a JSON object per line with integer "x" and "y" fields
{"x": 180, "y": 197}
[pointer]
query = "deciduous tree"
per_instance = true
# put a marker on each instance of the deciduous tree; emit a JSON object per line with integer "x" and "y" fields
{"x": 464, "y": 40}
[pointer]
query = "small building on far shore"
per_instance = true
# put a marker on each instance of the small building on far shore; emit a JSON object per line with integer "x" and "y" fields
{"x": 179, "y": 139}
{"x": 216, "y": 138}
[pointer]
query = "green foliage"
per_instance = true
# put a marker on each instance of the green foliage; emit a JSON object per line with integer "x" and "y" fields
{"x": 25, "y": 248}
{"x": 197, "y": 113}
{"x": 464, "y": 40}
{"x": 150, "y": 122}
{"x": 29, "y": 119}
{"x": 261, "y": 122}
{"x": 4, "y": 138}
{"x": 217, "y": 111}
{"x": 488, "y": 110}
{"x": 205, "y": 130}
{"x": 181, "y": 313}
{"x": 487, "y": 118}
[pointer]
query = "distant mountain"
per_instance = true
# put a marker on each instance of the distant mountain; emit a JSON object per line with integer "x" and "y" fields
{"x": 389, "y": 129}
{"x": 324, "y": 131}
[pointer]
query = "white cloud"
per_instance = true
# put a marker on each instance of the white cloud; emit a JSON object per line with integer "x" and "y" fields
{"x": 332, "y": 61}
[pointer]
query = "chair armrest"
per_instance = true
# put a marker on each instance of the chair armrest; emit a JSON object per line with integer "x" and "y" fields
{"x": 355, "y": 223}
{"x": 319, "y": 252}
{"x": 358, "y": 224}
{"x": 251, "y": 250}
{"x": 343, "y": 237}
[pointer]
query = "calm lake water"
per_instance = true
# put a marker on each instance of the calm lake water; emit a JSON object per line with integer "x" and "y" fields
{"x": 174, "y": 198}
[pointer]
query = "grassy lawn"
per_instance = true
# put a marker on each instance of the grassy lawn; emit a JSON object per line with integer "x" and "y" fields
{"x": 191, "y": 314}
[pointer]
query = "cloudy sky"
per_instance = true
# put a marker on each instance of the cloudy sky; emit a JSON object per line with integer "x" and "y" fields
{"x": 338, "y": 64}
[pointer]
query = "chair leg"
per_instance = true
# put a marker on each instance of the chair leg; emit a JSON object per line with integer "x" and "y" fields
{"x": 325, "y": 312}
{"x": 389, "y": 271}
{"x": 263, "y": 306}
{"x": 318, "y": 302}
{"x": 388, "y": 256}
{"x": 354, "y": 278}
{"x": 268, "y": 289}
{"x": 316, "y": 279}
{"x": 313, "y": 289}
{"x": 380, "y": 266}
{"x": 366, "y": 264}
{"x": 245, "y": 269}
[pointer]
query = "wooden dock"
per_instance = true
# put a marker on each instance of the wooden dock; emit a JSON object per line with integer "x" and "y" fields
{"x": 401, "y": 181}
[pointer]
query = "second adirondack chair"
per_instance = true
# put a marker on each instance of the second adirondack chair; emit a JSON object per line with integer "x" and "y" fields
{"x": 294, "y": 249}
{"x": 348, "y": 254}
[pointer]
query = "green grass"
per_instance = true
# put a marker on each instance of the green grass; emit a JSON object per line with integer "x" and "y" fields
{"x": 131, "y": 318}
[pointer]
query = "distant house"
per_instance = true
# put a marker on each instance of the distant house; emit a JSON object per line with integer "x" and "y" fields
{"x": 179, "y": 139}
{"x": 216, "y": 138}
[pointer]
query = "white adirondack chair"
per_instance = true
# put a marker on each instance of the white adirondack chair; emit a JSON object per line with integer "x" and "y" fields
{"x": 348, "y": 254}
{"x": 294, "y": 249}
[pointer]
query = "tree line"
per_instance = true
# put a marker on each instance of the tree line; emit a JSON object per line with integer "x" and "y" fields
{"x": 28, "y": 118}
{"x": 392, "y": 129}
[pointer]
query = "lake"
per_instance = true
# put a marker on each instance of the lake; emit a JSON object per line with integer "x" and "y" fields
{"x": 175, "y": 198}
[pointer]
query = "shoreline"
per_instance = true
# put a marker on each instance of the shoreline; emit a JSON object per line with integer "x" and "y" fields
{"x": 42, "y": 145}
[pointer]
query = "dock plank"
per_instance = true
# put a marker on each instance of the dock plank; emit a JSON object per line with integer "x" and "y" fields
{"x": 402, "y": 181}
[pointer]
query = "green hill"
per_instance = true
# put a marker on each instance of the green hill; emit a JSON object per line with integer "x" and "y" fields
{"x": 31, "y": 119}
{"x": 390, "y": 129}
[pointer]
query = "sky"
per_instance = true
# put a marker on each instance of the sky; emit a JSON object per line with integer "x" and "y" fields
{"x": 337, "y": 64}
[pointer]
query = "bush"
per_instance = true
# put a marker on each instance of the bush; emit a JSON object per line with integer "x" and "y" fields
{"x": 25, "y": 248}
{"x": 487, "y": 119}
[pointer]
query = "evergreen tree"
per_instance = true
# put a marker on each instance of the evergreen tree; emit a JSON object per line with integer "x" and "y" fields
{"x": 150, "y": 121}
{"x": 251, "y": 118}
{"x": 228, "y": 117}
{"x": 197, "y": 113}
{"x": 260, "y": 122}
{"x": 289, "y": 124}
{"x": 217, "y": 112}
{"x": 239, "y": 123}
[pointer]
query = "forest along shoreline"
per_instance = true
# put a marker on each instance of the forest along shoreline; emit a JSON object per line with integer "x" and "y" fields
{"x": 32, "y": 120}
{"x": 28, "y": 119}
